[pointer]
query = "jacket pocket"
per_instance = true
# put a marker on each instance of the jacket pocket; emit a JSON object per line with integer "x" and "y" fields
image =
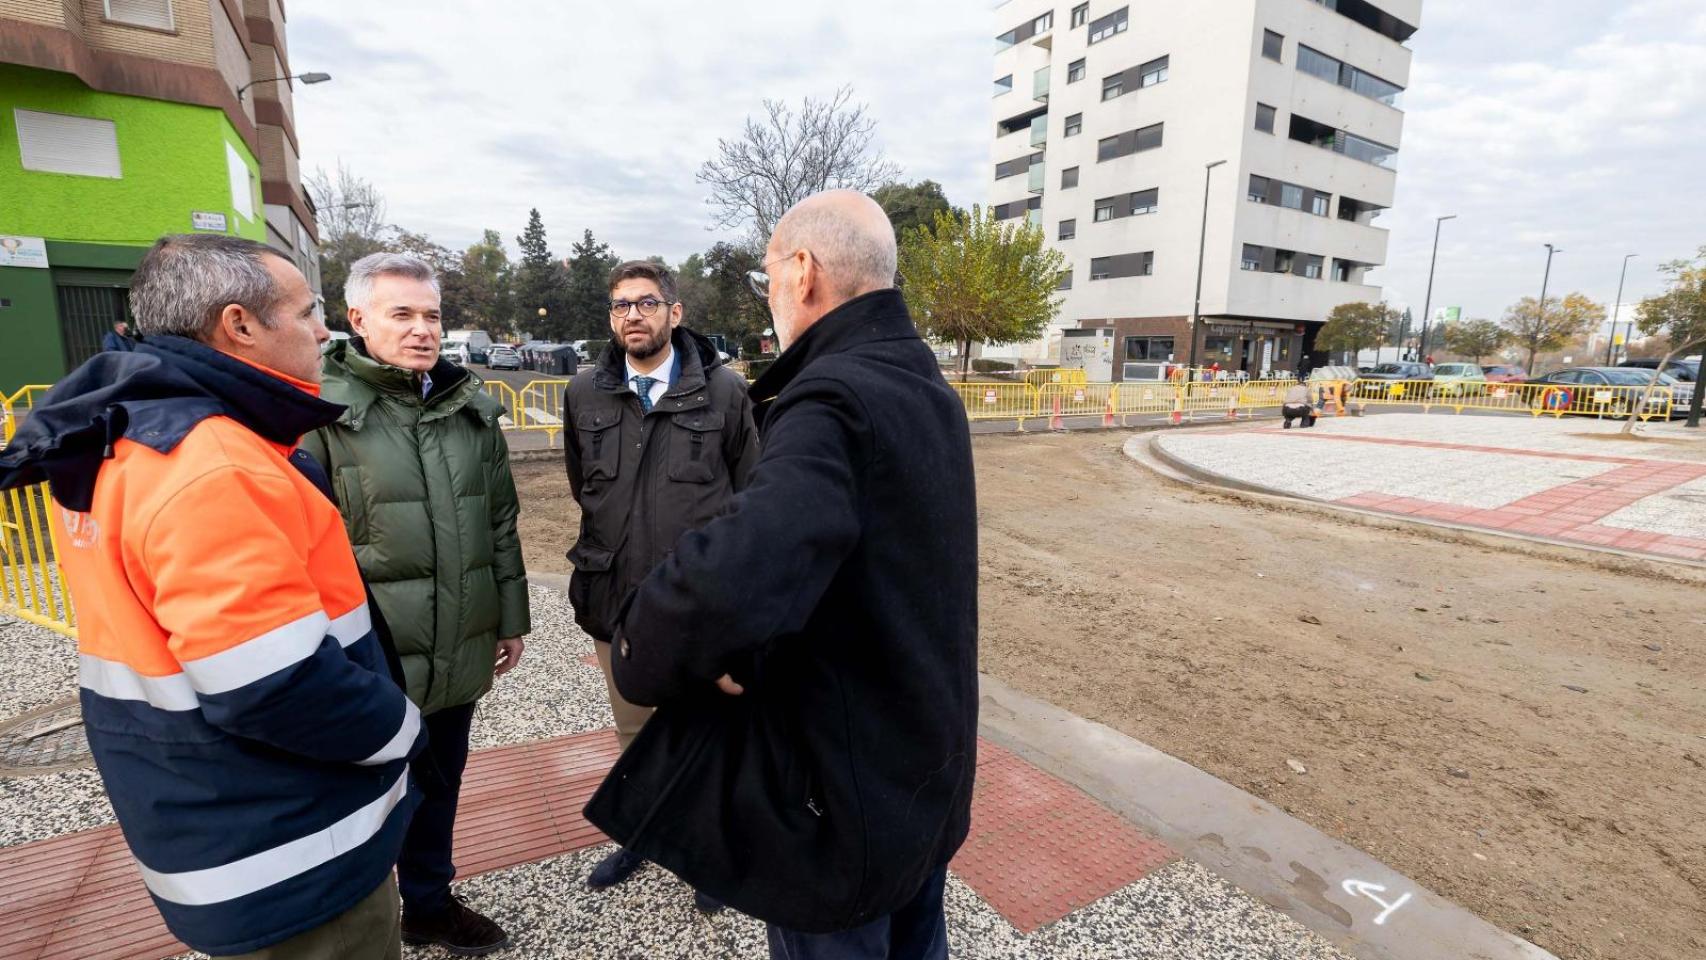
{"x": 353, "y": 502}
{"x": 591, "y": 588}
{"x": 696, "y": 446}
{"x": 600, "y": 443}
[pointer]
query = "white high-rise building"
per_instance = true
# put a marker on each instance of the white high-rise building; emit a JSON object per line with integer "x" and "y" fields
{"x": 1107, "y": 116}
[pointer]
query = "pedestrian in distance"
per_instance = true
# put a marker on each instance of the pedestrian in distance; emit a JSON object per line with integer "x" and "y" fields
{"x": 118, "y": 338}
{"x": 420, "y": 470}
{"x": 661, "y": 439}
{"x": 812, "y": 651}
{"x": 1297, "y": 405}
{"x": 234, "y": 691}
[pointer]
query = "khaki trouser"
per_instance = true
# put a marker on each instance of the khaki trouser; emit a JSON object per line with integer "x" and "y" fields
{"x": 370, "y": 930}
{"x": 629, "y": 717}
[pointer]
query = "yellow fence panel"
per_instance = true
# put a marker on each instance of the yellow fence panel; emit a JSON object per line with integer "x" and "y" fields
{"x": 30, "y": 585}
{"x": 1069, "y": 376}
{"x": 542, "y": 405}
{"x": 506, "y": 395}
{"x": 1077, "y": 399}
{"x": 1147, "y": 397}
{"x": 997, "y": 401}
{"x": 1535, "y": 399}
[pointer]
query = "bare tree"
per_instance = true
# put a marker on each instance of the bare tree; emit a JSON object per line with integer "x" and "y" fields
{"x": 786, "y": 156}
{"x": 346, "y": 205}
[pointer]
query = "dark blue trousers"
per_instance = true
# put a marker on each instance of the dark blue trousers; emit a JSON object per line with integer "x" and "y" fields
{"x": 917, "y": 931}
{"x": 424, "y": 868}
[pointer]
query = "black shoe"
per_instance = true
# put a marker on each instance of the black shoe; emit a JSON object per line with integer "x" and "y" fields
{"x": 705, "y": 903}
{"x": 455, "y": 928}
{"x": 614, "y": 869}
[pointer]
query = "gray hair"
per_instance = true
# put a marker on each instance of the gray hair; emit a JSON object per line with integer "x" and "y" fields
{"x": 186, "y": 281}
{"x": 856, "y": 247}
{"x": 359, "y": 287}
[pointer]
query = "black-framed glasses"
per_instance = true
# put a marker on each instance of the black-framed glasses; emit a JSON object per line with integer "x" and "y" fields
{"x": 759, "y": 280}
{"x": 648, "y": 307}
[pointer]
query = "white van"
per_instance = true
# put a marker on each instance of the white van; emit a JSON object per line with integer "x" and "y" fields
{"x": 476, "y": 342}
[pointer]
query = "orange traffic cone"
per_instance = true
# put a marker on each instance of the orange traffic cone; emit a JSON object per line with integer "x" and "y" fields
{"x": 1054, "y": 422}
{"x": 1178, "y": 410}
{"x": 1108, "y": 411}
{"x": 1232, "y": 407}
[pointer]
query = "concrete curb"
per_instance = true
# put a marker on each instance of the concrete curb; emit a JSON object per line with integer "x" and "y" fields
{"x": 1286, "y": 863}
{"x": 1174, "y": 468}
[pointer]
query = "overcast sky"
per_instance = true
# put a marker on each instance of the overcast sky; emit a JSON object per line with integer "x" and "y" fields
{"x": 1576, "y": 122}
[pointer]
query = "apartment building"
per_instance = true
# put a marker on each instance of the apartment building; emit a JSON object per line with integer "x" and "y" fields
{"x": 122, "y": 121}
{"x": 1107, "y": 118}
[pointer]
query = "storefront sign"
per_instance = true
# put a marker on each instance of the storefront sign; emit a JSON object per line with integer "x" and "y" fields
{"x": 23, "y": 252}
{"x": 204, "y": 220}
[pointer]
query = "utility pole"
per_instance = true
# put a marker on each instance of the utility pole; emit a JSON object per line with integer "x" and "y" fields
{"x": 1428, "y": 301}
{"x": 1540, "y": 308}
{"x": 1202, "y": 245}
{"x": 1612, "y": 346}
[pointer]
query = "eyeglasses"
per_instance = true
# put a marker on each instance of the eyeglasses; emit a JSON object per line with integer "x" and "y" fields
{"x": 760, "y": 281}
{"x": 648, "y": 307}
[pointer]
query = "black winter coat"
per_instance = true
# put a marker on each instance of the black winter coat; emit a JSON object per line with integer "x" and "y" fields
{"x": 841, "y": 590}
{"x": 644, "y": 479}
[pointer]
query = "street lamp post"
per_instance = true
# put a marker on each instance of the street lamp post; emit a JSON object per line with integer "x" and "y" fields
{"x": 1428, "y": 301}
{"x": 1611, "y": 347}
{"x": 1540, "y": 308}
{"x": 304, "y": 77}
{"x": 1202, "y": 245}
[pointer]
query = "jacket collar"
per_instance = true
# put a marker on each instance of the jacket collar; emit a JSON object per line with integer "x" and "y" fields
{"x": 878, "y": 315}
{"x": 695, "y": 354}
{"x": 154, "y": 395}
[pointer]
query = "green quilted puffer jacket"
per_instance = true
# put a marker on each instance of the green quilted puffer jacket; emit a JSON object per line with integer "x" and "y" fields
{"x": 425, "y": 489}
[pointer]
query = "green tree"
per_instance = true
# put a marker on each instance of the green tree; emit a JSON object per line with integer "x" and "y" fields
{"x": 1536, "y": 327}
{"x": 1678, "y": 314}
{"x": 912, "y": 205}
{"x": 1475, "y": 338}
{"x": 1352, "y": 327}
{"x": 732, "y": 309}
{"x": 486, "y": 277}
{"x": 586, "y": 299}
{"x": 539, "y": 282}
{"x": 693, "y": 287}
{"x": 454, "y": 308}
{"x": 977, "y": 278}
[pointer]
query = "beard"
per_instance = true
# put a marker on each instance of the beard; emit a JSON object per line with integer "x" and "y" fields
{"x": 648, "y": 348}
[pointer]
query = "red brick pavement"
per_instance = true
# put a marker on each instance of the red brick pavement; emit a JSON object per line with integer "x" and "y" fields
{"x": 1038, "y": 850}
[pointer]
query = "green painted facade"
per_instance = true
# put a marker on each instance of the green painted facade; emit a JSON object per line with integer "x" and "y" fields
{"x": 172, "y": 162}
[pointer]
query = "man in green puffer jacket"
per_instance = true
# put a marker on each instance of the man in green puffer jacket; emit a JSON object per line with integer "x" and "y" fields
{"x": 421, "y": 473}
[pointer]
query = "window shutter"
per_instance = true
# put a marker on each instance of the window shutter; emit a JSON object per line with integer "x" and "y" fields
{"x": 57, "y": 143}
{"x": 242, "y": 197}
{"x": 141, "y": 13}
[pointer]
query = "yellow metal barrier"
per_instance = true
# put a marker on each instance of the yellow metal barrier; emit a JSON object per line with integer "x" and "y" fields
{"x": 1536, "y": 399}
{"x": 30, "y": 585}
{"x": 1070, "y": 376}
{"x": 1077, "y": 399}
{"x": 1146, "y": 397}
{"x": 506, "y": 395}
{"x": 541, "y": 405}
{"x": 998, "y": 401}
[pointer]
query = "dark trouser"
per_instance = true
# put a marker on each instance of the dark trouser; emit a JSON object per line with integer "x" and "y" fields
{"x": 1298, "y": 411}
{"x": 424, "y": 870}
{"x": 917, "y": 931}
{"x": 367, "y": 931}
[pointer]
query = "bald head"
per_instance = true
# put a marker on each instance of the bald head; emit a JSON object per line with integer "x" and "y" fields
{"x": 848, "y": 234}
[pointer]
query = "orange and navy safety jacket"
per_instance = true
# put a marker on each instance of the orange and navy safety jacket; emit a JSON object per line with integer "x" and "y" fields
{"x": 235, "y": 695}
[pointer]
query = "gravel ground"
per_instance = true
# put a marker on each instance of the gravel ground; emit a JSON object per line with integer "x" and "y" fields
{"x": 551, "y": 694}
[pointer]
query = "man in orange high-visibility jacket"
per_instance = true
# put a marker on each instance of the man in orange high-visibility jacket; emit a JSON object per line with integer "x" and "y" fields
{"x": 235, "y": 695}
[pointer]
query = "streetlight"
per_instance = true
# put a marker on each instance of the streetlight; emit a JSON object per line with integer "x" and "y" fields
{"x": 304, "y": 77}
{"x": 1428, "y": 301}
{"x": 1202, "y": 244}
{"x": 1610, "y": 347}
{"x": 1540, "y": 308}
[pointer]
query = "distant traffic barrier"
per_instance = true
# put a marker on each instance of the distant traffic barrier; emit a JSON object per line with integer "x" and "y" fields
{"x": 1535, "y": 399}
{"x": 542, "y": 405}
{"x": 30, "y": 586}
{"x": 999, "y": 401}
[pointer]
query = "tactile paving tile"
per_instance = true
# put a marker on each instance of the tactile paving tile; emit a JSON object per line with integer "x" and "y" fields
{"x": 1040, "y": 848}
{"x": 79, "y": 897}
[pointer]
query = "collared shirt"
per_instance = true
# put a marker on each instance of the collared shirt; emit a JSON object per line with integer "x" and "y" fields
{"x": 426, "y": 385}
{"x": 665, "y": 373}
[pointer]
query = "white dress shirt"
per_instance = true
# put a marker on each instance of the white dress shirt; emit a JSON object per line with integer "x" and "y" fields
{"x": 661, "y": 373}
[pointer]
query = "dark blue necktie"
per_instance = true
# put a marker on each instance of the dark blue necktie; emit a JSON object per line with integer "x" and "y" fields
{"x": 643, "y": 387}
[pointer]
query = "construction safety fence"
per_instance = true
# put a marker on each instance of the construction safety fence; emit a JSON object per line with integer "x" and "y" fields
{"x": 1117, "y": 402}
{"x": 1534, "y": 399}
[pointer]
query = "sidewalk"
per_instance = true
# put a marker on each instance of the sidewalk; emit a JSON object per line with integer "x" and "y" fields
{"x": 1052, "y": 868}
{"x": 1569, "y": 481}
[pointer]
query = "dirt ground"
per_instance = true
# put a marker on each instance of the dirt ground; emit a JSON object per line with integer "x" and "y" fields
{"x": 1437, "y": 704}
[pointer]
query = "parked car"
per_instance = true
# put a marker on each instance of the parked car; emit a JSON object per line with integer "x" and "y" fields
{"x": 1685, "y": 370}
{"x": 1574, "y": 389}
{"x": 1505, "y": 373}
{"x": 1329, "y": 373}
{"x": 502, "y": 356}
{"x": 1459, "y": 380}
{"x": 1399, "y": 379}
{"x": 456, "y": 352}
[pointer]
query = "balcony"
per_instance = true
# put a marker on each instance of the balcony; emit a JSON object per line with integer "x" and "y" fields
{"x": 1039, "y": 131}
{"x": 1035, "y": 180}
{"x": 1039, "y": 85}
{"x": 1315, "y": 133}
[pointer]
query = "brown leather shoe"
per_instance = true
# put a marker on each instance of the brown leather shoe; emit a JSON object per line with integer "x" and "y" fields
{"x": 455, "y": 928}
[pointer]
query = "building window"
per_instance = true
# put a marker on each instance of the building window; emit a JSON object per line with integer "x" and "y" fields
{"x": 1004, "y": 85}
{"x": 1065, "y": 281}
{"x": 1265, "y": 118}
{"x": 1113, "y": 86}
{"x": 1122, "y": 265}
{"x": 57, "y": 143}
{"x": 1335, "y": 71}
{"x": 1044, "y": 23}
{"x": 1258, "y": 189}
{"x": 1069, "y": 178}
{"x": 1149, "y": 348}
{"x": 1132, "y": 141}
{"x": 1319, "y": 203}
{"x": 1075, "y": 70}
{"x": 1145, "y": 201}
{"x": 1291, "y": 196}
{"x": 1284, "y": 260}
{"x": 242, "y": 195}
{"x": 1075, "y": 125}
{"x": 1312, "y": 267}
{"x": 1068, "y": 229}
{"x": 1099, "y": 267}
{"x": 1104, "y": 210}
{"x": 154, "y": 14}
{"x": 1104, "y": 27}
{"x": 1152, "y": 73}
{"x": 1273, "y": 46}
{"x": 1343, "y": 270}
{"x": 1080, "y": 14}
{"x": 1252, "y": 258}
